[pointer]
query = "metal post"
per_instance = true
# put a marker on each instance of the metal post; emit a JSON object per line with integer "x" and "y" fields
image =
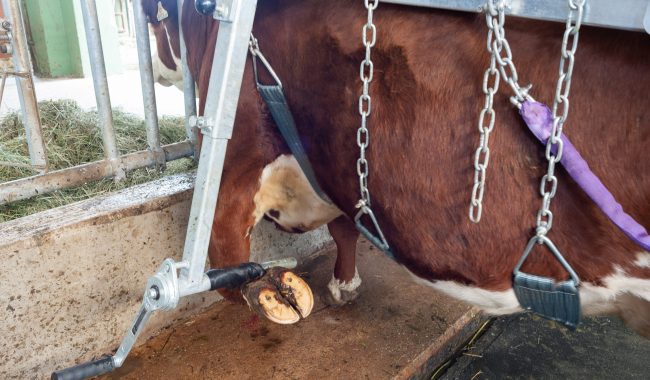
{"x": 189, "y": 89}
{"x": 98, "y": 68}
{"x": 25, "y": 84}
{"x": 146, "y": 80}
{"x": 222, "y": 98}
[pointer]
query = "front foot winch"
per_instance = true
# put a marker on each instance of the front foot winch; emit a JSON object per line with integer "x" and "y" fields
{"x": 164, "y": 289}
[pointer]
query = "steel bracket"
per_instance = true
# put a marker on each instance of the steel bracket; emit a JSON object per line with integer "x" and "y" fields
{"x": 203, "y": 123}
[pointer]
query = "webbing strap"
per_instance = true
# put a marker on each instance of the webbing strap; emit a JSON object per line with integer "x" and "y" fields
{"x": 276, "y": 102}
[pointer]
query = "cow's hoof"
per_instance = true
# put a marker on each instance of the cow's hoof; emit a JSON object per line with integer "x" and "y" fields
{"x": 281, "y": 296}
{"x": 341, "y": 292}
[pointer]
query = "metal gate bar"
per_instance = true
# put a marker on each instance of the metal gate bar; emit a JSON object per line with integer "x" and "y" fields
{"x": 98, "y": 68}
{"x": 617, "y": 14}
{"x": 25, "y": 84}
{"x": 146, "y": 81}
{"x": 189, "y": 87}
{"x": 155, "y": 156}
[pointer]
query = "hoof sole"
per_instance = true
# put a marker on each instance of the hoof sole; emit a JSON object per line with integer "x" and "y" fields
{"x": 280, "y": 296}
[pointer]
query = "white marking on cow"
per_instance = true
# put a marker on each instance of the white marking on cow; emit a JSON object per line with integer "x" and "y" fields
{"x": 642, "y": 260}
{"x": 343, "y": 292}
{"x": 288, "y": 199}
{"x": 163, "y": 74}
{"x": 594, "y": 299}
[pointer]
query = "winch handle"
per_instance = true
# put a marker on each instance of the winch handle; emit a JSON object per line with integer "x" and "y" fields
{"x": 85, "y": 370}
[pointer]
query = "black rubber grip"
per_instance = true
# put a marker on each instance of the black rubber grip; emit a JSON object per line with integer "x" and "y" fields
{"x": 85, "y": 370}
{"x": 234, "y": 277}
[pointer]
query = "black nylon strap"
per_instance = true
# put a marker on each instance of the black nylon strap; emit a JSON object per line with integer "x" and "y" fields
{"x": 275, "y": 100}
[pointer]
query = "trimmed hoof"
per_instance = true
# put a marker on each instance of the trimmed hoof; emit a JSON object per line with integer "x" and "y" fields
{"x": 281, "y": 296}
{"x": 340, "y": 293}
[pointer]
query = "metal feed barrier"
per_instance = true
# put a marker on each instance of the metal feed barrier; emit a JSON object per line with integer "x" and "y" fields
{"x": 178, "y": 279}
{"x": 114, "y": 165}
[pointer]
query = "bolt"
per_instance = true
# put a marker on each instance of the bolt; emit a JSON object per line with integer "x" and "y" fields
{"x": 6, "y": 25}
{"x": 154, "y": 293}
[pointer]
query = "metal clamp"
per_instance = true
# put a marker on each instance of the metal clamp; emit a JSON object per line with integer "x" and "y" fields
{"x": 202, "y": 123}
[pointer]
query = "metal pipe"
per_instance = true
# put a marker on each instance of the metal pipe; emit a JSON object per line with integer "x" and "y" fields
{"x": 78, "y": 175}
{"x": 146, "y": 81}
{"x": 100, "y": 83}
{"x": 189, "y": 86}
{"x": 25, "y": 84}
{"x": 2, "y": 85}
{"x": 622, "y": 14}
{"x": 221, "y": 105}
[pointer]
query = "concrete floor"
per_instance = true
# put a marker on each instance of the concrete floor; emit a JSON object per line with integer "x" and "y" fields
{"x": 383, "y": 334}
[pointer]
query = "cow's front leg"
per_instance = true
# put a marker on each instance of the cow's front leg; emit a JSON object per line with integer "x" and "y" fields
{"x": 230, "y": 237}
{"x": 280, "y": 295}
{"x": 345, "y": 280}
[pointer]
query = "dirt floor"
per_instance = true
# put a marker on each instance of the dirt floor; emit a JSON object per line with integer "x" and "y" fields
{"x": 391, "y": 330}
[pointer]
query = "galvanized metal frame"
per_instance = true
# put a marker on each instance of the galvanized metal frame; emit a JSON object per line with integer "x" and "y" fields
{"x": 221, "y": 104}
{"x": 619, "y": 14}
{"x": 114, "y": 165}
{"x": 25, "y": 84}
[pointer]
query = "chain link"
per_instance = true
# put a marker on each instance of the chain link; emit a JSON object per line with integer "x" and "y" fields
{"x": 366, "y": 73}
{"x": 501, "y": 67}
{"x": 555, "y": 145}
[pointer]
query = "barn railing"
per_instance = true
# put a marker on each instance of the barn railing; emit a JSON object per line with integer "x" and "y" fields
{"x": 620, "y": 14}
{"x": 113, "y": 165}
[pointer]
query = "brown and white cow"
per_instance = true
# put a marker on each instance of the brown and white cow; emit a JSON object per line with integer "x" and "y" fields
{"x": 426, "y": 99}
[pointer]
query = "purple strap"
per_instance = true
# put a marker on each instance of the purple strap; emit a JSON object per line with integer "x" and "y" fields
{"x": 539, "y": 119}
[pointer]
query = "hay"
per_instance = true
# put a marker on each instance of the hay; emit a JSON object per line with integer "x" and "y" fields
{"x": 72, "y": 137}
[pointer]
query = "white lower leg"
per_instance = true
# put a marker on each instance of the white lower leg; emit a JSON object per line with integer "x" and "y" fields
{"x": 341, "y": 291}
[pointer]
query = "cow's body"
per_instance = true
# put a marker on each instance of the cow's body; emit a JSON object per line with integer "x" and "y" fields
{"x": 426, "y": 98}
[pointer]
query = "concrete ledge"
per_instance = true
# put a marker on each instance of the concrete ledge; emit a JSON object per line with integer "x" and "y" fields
{"x": 73, "y": 276}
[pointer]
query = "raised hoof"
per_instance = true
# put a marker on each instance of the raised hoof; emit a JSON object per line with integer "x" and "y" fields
{"x": 281, "y": 296}
{"x": 339, "y": 292}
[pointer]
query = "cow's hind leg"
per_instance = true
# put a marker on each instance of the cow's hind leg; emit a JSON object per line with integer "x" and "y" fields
{"x": 345, "y": 280}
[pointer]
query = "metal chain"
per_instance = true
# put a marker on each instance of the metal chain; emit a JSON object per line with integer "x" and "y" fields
{"x": 365, "y": 103}
{"x": 501, "y": 55}
{"x": 555, "y": 145}
{"x": 366, "y": 71}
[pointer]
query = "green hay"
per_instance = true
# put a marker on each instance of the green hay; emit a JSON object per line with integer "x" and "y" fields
{"x": 72, "y": 137}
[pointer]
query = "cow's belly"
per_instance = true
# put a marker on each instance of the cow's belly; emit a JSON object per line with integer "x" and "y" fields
{"x": 286, "y": 197}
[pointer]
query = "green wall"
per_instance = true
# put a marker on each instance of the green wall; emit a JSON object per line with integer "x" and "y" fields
{"x": 58, "y": 38}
